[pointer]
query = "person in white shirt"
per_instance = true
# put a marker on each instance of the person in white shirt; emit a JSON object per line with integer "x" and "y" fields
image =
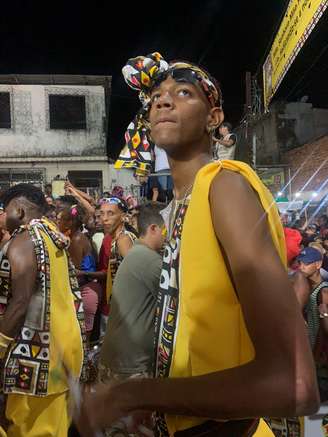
{"x": 163, "y": 172}
{"x": 225, "y": 145}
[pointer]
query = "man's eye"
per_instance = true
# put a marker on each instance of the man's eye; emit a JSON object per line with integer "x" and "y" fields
{"x": 184, "y": 92}
{"x": 154, "y": 98}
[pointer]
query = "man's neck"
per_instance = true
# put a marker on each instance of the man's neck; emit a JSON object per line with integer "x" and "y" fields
{"x": 28, "y": 218}
{"x": 147, "y": 242}
{"x": 315, "y": 279}
{"x": 184, "y": 173}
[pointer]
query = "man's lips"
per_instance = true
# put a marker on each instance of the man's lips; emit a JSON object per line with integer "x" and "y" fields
{"x": 165, "y": 120}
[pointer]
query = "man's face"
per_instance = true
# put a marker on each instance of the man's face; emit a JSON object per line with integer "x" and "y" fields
{"x": 324, "y": 243}
{"x": 60, "y": 205}
{"x": 223, "y": 131}
{"x": 309, "y": 269}
{"x": 178, "y": 115}
{"x": 284, "y": 219}
{"x": 98, "y": 221}
{"x": 49, "y": 200}
{"x": 111, "y": 216}
{"x": 309, "y": 232}
{"x": 48, "y": 190}
{"x": 159, "y": 236}
{"x": 13, "y": 215}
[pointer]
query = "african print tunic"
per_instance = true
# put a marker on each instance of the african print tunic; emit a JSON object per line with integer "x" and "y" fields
{"x": 27, "y": 364}
{"x": 168, "y": 305}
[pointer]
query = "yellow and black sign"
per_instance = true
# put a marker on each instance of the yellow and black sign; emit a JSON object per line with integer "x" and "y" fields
{"x": 300, "y": 19}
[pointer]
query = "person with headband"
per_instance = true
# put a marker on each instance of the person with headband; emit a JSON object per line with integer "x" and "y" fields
{"x": 231, "y": 341}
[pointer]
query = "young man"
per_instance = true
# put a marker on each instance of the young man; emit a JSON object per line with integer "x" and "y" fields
{"x": 98, "y": 235}
{"x": 225, "y": 145}
{"x": 128, "y": 347}
{"x": 232, "y": 343}
{"x": 129, "y": 342}
{"x": 42, "y": 323}
{"x": 312, "y": 293}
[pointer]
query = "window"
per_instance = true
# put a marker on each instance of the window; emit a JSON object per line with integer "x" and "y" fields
{"x": 5, "y": 119}
{"x": 89, "y": 181}
{"x": 67, "y": 112}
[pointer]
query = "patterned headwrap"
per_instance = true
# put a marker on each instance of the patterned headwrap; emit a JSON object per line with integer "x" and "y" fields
{"x": 141, "y": 74}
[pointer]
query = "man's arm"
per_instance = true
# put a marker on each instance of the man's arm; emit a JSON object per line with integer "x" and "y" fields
{"x": 281, "y": 378}
{"x": 101, "y": 276}
{"x": 227, "y": 143}
{"x": 85, "y": 204}
{"x": 155, "y": 194}
{"x": 301, "y": 288}
{"x": 81, "y": 194}
{"x": 22, "y": 260}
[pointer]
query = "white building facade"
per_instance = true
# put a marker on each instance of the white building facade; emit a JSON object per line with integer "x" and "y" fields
{"x": 53, "y": 127}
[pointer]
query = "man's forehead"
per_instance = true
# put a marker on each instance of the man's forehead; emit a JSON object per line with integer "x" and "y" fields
{"x": 109, "y": 207}
{"x": 170, "y": 83}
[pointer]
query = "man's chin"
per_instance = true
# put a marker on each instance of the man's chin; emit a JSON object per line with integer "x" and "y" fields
{"x": 171, "y": 147}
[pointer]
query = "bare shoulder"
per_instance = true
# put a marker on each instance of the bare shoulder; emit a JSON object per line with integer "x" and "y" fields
{"x": 123, "y": 238}
{"x": 232, "y": 194}
{"x": 21, "y": 253}
{"x": 22, "y": 242}
{"x": 228, "y": 181}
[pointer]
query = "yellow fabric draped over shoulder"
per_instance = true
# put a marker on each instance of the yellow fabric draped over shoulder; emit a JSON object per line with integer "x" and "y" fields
{"x": 211, "y": 332}
{"x": 65, "y": 339}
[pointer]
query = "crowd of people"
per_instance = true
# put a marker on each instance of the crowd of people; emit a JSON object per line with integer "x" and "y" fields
{"x": 155, "y": 319}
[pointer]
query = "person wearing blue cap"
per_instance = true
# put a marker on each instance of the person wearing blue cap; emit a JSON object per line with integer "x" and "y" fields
{"x": 313, "y": 295}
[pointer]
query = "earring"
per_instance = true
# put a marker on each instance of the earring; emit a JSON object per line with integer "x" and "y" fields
{"x": 210, "y": 130}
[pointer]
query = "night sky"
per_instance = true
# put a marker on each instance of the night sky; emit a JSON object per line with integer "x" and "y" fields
{"x": 226, "y": 37}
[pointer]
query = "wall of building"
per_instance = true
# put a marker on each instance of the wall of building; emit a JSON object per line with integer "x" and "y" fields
{"x": 31, "y": 136}
{"x": 60, "y": 169}
{"x": 309, "y": 168}
{"x": 286, "y": 126}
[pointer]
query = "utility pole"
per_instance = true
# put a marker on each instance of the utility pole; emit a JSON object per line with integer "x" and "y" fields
{"x": 250, "y": 131}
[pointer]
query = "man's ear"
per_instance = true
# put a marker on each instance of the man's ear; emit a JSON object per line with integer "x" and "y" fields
{"x": 215, "y": 118}
{"x": 20, "y": 213}
{"x": 319, "y": 264}
{"x": 152, "y": 227}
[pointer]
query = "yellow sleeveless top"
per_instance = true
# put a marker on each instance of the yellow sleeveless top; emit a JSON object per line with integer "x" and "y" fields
{"x": 210, "y": 317}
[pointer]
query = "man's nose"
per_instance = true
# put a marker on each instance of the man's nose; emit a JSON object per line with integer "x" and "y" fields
{"x": 164, "y": 100}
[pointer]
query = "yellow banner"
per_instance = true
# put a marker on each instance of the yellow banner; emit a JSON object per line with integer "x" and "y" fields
{"x": 299, "y": 21}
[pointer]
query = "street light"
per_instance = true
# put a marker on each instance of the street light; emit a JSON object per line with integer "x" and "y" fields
{"x": 298, "y": 195}
{"x": 314, "y": 194}
{"x": 280, "y": 193}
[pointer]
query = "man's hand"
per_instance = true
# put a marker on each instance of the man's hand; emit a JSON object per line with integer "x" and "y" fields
{"x": 100, "y": 408}
{"x": 80, "y": 273}
{"x": 323, "y": 308}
